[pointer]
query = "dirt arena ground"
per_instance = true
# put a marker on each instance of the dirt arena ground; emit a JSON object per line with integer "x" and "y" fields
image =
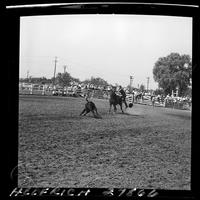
{"x": 144, "y": 148}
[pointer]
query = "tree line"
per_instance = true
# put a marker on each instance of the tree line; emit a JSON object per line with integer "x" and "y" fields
{"x": 64, "y": 79}
{"x": 171, "y": 73}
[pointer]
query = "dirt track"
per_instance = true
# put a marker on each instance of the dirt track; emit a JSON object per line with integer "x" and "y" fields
{"x": 145, "y": 147}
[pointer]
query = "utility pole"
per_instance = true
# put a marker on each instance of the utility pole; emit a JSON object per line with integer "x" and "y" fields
{"x": 147, "y": 84}
{"x": 131, "y": 81}
{"x": 54, "y": 75}
{"x": 27, "y": 74}
{"x": 28, "y": 77}
{"x": 64, "y": 68}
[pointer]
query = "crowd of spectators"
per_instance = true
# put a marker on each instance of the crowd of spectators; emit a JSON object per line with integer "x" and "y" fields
{"x": 178, "y": 102}
{"x": 90, "y": 90}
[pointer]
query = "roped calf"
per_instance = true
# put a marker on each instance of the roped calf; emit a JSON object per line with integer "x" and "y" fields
{"x": 90, "y": 107}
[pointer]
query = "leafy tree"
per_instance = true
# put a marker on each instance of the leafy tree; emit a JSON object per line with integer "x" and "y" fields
{"x": 96, "y": 81}
{"x": 36, "y": 80}
{"x": 75, "y": 80}
{"x": 173, "y": 71}
{"x": 159, "y": 92}
{"x": 188, "y": 92}
{"x": 142, "y": 87}
{"x": 63, "y": 79}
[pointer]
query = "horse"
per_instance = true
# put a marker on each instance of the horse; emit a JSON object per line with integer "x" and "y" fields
{"x": 115, "y": 100}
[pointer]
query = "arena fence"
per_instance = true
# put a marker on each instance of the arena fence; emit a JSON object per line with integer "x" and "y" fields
{"x": 183, "y": 105}
{"x": 34, "y": 89}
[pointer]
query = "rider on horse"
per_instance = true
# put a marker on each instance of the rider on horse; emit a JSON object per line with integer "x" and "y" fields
{"x": 123, "y": 93}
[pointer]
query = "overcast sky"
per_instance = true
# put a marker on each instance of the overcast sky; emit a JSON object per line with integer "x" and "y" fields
{"x": 112, "y": 47}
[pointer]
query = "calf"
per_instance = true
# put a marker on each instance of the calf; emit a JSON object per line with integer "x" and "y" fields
{"x": 90, "y": 107}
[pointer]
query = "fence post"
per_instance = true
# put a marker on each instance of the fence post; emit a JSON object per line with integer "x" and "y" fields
{"x": 43, "y": 90}
{"x": 31, "y": 89}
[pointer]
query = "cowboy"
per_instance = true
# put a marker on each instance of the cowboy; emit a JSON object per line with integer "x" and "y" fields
{"x": 123, "y": 93}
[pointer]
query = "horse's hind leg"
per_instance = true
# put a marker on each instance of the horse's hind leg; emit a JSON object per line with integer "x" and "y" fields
{"x": 115, "y": 108}
{"x": 97, "y": 114}
{"x": 121, "y": 108}
{"x": 110, "y": 108}
{"x": 94, "y": 113}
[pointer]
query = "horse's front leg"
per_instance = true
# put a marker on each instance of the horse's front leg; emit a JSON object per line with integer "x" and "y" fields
{"x": 115, "y": 108}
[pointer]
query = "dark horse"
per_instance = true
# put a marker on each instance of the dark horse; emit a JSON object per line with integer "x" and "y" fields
{"x": 115, "y": 100}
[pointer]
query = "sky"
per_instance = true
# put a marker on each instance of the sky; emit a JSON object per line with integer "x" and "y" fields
{"x": 113, "y": 47}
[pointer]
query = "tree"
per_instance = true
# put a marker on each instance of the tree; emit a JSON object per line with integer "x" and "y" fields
{"x": 172, "y": 72}
{"x": 63, "y": 79}
{"x": 188, "y": 92}
{"x": 142, "y": 87}
{"x": 36, "y": 80}
{"x": 75, "y": 80}
{"x": 96, "y": 81}
{"x": 159, "y": 92}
